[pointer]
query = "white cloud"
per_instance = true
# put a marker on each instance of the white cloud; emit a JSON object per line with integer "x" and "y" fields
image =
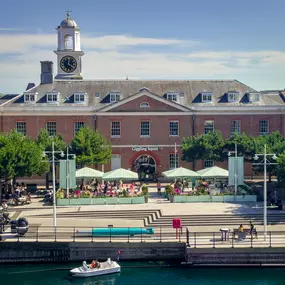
{"x": 107, "y": 57}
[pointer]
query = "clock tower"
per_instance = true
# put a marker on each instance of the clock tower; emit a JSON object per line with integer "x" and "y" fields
{"x": 68, "y": 50}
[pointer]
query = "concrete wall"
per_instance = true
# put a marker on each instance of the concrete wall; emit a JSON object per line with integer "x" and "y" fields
{"x": 235, "y": 256}
{"x": 61, "y": 251}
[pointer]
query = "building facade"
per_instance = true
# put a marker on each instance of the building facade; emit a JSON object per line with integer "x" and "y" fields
{"x": 145, "y": 120}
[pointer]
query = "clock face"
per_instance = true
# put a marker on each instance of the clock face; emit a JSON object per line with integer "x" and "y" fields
{"x": 68, "y": 64}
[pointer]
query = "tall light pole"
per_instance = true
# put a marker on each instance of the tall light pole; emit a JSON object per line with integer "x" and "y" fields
{"x": 175, "y": 152}
{"x": 52, "y": 160}
{"x": 235, "y": 166}
{"x": 264, "y": 162}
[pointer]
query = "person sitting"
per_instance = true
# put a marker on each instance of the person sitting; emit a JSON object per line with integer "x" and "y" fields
{"x": 240, "y": 229}
{"x": 241, "y": 232}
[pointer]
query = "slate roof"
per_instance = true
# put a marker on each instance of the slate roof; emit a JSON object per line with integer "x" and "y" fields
{"x": 7, "y": 97}
{"x": 98, "y": 92}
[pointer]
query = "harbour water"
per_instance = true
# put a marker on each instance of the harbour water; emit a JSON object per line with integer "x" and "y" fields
{"x": 148, "y": 273}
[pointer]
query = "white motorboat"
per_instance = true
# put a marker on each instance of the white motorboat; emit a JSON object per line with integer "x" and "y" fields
{"x": 96, "y": 269}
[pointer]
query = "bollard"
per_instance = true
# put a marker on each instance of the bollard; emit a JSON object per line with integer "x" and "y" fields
{"x": 214, "y": 240}
{"x": 195, "y": 239}
{"x": 37, "y": 234}
{"x": 73, "y": 234}
{"x": 270, "y": 245}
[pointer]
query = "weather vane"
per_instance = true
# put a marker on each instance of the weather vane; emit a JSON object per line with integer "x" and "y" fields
{"x": 68, "y": 13}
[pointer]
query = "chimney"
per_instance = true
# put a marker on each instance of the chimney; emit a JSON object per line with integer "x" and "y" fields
{"x": 46, "y": 72}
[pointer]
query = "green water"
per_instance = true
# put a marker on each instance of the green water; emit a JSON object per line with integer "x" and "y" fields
{"x": 19, "y": 275}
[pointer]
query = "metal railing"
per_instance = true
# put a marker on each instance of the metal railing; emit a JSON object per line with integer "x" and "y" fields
{"x": 191, "y": 239}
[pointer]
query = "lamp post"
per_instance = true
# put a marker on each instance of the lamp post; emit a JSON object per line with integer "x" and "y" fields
{"x": 52, "y": 160}
{"x": 265, "y": 162}
{"x": 175, "y": 152}
{"x": 235, "y": 166}
{"x": 67, "y": 169}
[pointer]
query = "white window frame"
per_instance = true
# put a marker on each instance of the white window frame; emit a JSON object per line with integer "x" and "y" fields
{"x": 52, "y": 97}
{"x": 235, "y": 127}
{"x": 116, "y": 128}
{"x": 254, "y": 97}
{"x": 54, "y": 126}
{"x": 263, "y": 124}
{"x": 141, "y": 129}
{"x": 97, "y": 95}
{"x": 172, "y": 161}
{"x": 144, "y": 105}
{"x": 80, "y": 97}
{"x": 170, "y": 128}
{"x": 208, "y": 163}
{"x": 115, "y": 97}
{"x": 207, "y": 97}
{"x": 207, "y": 122}
{"x": 77, "y": 126}
{"x": 21, "y": 127}
{"x": 233, "y": 96}
{"x": 173, "y": 96}
{"x": 30, "y": 97}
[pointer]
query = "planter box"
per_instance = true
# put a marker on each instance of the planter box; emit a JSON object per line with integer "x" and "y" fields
{"x": 218, "y": 199}
{"x": 62, "y": 202}
{"x": 239, "y": 198}
{"x": 204, "y": 198}
{"x": 179, "y": 199}
{"x": 192, "y": 199}
{"x": 138, "y": 200}
{"x": 74, "y": 201}
{"x": 84, "y": 201}
{"x": 229, "y": 198}
{"x": 112, "y": 200}
{"x": 127, "y": 200}
{"x": 98, "y": 201}
{"x": 250, "y": 198}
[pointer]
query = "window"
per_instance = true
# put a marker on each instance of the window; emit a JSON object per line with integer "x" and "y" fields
{"x": 21, "y": 128}
{"x": 173, "y": 128}
{"x": 144, "y": 105}
{"x": 51, "y": 128}
{"x": 145, "y": 129}
{"x": 181, "y": 94}
{"x": 208, "y": 163}
{"x": 29, "y": 97}
{"x": 52, "y": 97}
{"x": 235, "y": 128}
{"x": 206, "y": 97}
{"x": 114, "y": 97}
{"x": 115, "y": 129}
{"x": 78, "y": 126}
{"x": 79, "y": 97}
{"x": 233, "y": 96}
{"x": 172, "y": 96}
{"x": 254, "y": 97}
{"x": 208, "y": 126}
{"x": 173, "y": 160}
{"x": 97, "y": 95}
{"x": 263, "y": 127}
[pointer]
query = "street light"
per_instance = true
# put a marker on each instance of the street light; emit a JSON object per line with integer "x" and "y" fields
{"x": 264, "y": 162}
{"x": 52, "y": 160}
{"x": 235, "y": 165}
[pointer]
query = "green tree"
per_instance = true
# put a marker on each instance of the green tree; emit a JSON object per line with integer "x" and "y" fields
{"x": 205, "y": 146}
{"x": 281, "y": 169}
{"x": 275, "y": 144}
{"x": 45, "y": 141}
{"x": 19, "y": 156}
{"x": 91, "y": 147}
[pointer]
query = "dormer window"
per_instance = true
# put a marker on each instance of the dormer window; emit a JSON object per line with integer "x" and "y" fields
{"x": 144, "y": 105}
{"x": 80, "y": 97}
{"x": 233, "y": 96}
{"x": 114, "y": 97}
{"x": 52, "y": 97}
{"x": 172, "y": 96}
{"x": 253, "y": 97}
{"x": 206, "y": 97}
{"x": 30, "y": 97}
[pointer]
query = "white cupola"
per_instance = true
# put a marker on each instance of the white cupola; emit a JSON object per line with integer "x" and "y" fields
{"x": 68, "y": 51}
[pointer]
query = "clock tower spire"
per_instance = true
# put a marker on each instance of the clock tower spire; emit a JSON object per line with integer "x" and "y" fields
{"x": 68, "y": 50}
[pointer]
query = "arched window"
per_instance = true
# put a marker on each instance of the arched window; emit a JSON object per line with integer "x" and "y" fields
{"x": 144, "y": 105}
{"x": 68, "y": 42}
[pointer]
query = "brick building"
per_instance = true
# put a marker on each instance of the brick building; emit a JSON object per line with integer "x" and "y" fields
{"x": 144, "y": 119}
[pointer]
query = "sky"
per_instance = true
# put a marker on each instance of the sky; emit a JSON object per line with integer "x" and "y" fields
{"x": 149, "y": 39}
